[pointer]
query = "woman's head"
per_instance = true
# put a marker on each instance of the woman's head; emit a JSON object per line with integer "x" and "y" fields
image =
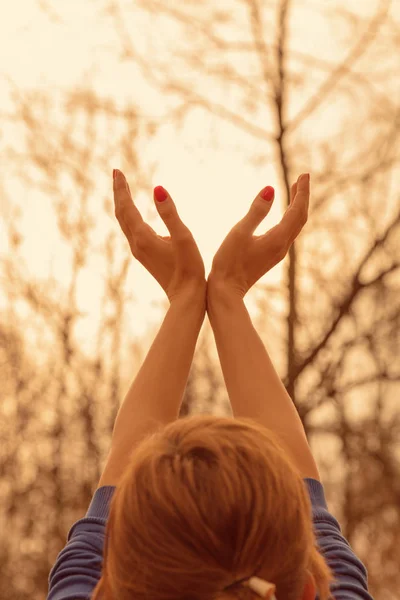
{"x": 204, "y": 502}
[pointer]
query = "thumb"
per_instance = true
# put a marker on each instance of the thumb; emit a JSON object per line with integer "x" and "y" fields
{"x": 168, "y": 212}
{"x": 259, "y": 209}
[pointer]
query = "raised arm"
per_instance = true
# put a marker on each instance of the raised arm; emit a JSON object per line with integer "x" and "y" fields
{"x": 254, "y": 387}
{"x": 155, "y": 395}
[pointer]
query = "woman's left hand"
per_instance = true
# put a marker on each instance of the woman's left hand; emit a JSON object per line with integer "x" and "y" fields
{"x": 174, "y": 260}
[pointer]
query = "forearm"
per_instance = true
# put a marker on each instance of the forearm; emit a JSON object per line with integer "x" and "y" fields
{"x": 254, "y": 387}
{"x": 155, "y": 395}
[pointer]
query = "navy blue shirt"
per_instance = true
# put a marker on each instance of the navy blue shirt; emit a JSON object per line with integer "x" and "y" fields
{"x": 78, "y": 565}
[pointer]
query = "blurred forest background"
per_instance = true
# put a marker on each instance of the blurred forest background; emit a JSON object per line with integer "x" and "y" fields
{"x": 214, "y": 100}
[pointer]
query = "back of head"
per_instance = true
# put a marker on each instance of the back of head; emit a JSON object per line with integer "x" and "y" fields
{"x": 204, "y": 502}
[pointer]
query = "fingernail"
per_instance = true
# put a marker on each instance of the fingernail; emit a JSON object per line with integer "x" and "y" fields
{"x": 305, "y": 178}
{"x": 117, "y": 174}
{"x": 160, "y": 193}
{"x": 268, "y": 193}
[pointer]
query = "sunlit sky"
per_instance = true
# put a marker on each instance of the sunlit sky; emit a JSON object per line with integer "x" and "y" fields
{"x": 212, "y": 189}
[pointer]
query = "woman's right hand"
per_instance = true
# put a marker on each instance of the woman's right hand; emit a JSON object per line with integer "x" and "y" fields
{"x": 243, "y": 258}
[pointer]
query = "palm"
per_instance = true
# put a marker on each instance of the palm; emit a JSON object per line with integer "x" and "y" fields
{"x": 159, "y": 256}
{"x": 244, "y": 258}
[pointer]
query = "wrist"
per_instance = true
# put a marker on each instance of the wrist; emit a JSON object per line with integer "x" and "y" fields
{"x": 220, "y": 296}
{"x": 193, "y": 298}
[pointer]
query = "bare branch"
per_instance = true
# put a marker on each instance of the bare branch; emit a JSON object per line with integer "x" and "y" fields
{"x": 355, "y": 54}
{"x": 354, "y": 289}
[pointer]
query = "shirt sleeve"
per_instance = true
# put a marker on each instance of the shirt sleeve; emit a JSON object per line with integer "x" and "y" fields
{"x": 77, "y": 569}
{"x": 78, "y": 566}
{"x": 351, "y": 577}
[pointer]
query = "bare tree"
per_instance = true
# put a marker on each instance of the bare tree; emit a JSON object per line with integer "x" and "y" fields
{"x": 53, "y": 392}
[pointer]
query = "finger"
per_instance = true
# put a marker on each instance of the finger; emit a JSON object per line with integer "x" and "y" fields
{"x": 169, "y": 214}
{"x": 293, "y": 191}
{"x": 126, "y": 212}
{"x": 296, "y": 215}
{"x": 259, "y": 209}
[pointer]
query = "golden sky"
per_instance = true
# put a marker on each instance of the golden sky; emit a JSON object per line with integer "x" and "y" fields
{"x": 212, "y": 189}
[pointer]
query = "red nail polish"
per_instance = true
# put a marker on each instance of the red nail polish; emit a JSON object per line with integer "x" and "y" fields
{"x": 160, "y": 193}
{"x": 268, "y": 193}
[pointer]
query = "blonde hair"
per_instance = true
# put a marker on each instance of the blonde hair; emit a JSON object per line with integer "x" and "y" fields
{"x": 205, "y": 501}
